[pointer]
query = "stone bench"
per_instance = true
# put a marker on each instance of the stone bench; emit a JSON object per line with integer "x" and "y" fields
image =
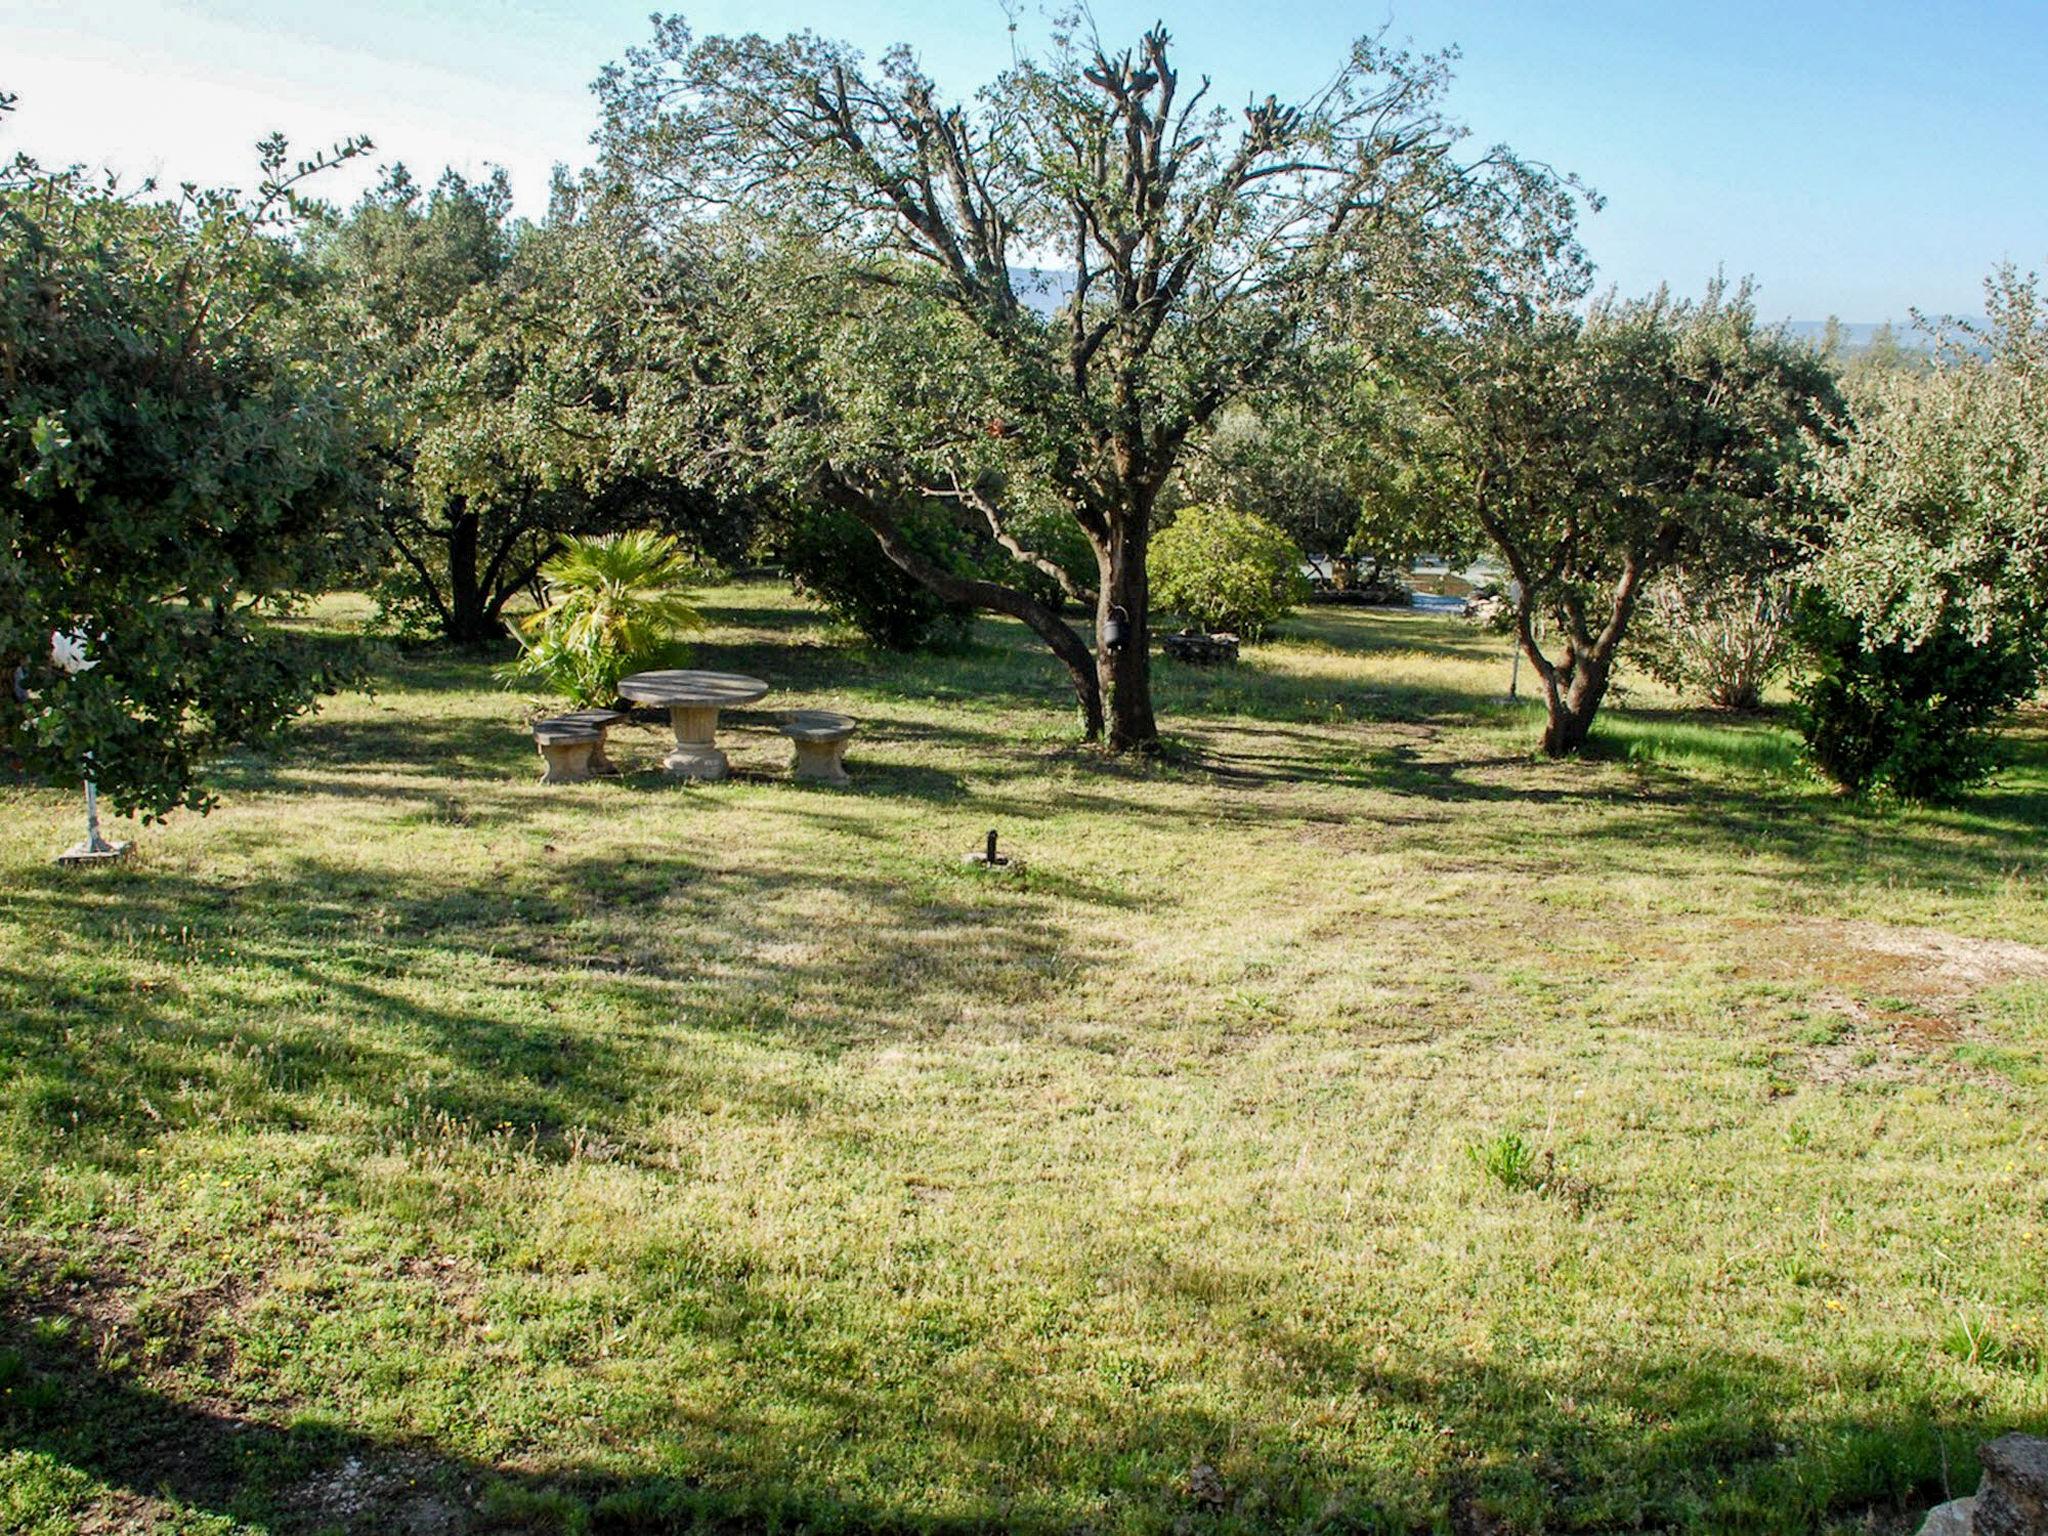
{"x": 820, "y": 737}
{"x": 598, "y": 720}
{"x": 567, "y": 750}
{"x": 572, "y": 745}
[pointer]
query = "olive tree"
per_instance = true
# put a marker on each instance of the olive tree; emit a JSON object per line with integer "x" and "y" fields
{"x": 174, "y": 460}
{"x": 1192, "y": 250}
{"x": 1596, "y": 451}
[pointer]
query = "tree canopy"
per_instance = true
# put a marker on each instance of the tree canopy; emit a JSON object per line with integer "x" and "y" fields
{"x": 1199, "y": 247}
{"x": 174, "y": 459}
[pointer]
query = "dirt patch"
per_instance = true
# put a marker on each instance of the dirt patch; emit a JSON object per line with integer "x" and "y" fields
{"x": 1929, "y": 967}
{"x": 1905, "y": 992}
{"x": 1948, "y": 962}
{"x": 397, "y": 1493}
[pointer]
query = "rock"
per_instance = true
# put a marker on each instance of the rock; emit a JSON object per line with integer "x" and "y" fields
{"x": 1205, "y": 1487}
{"x": 2012, "y": 1500}
{"x": 1950, "y": 1519}
{"x": 1201, "y": 650}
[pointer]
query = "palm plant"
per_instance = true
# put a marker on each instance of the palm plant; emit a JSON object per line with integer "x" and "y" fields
{"x": 616, "y": 604}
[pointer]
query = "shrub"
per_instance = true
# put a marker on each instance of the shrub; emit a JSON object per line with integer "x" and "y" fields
{"x": 1914, "y": 721}
{"x": 1224, "y": 569}
{"x": 833, "y": 560}
{"x": 616, "y": 604}
{"x": 1720, "y": 639}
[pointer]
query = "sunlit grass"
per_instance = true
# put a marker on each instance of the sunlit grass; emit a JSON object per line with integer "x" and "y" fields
{"x": 410, "y": 1141}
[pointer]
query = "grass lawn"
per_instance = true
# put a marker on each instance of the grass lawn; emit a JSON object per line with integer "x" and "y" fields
{"x": 1350, "y": 1123}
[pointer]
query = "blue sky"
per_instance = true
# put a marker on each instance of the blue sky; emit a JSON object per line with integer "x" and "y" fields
{"x": 1858, "y": 159}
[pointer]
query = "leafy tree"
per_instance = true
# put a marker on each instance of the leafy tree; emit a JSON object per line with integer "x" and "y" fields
{"x": 1226, "y": 569}
{"x": 1595, "y": 452}
{"x": 497, "y": 360}
{"x": 616, "y": 604}
{"x": 1944, "y": 485}
{"x": 173, "y": 464}
{"x": 1198, "y": 254}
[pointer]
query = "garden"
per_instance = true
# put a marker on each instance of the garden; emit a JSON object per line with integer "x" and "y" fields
{"x": 754, "y": 868}
{"x": 1349, "y": 1120}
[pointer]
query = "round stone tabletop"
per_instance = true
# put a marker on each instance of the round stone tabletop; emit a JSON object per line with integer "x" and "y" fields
{"x": 692, "y": 690}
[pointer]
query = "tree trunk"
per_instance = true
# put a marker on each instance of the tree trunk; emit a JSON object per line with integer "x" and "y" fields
{"x": 1125, "y": 674}
{"x": 1572, "y": 690}
{"x": 469, "y": 621}
{"x": 1572, "y": 699}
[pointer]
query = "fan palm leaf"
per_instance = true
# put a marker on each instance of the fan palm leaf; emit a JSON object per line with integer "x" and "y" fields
{"x": 616, "y": 603}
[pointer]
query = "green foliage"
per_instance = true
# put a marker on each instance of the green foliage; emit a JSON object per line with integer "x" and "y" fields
{"x": 1944, "y": 482}
{"x": 1226, "y": 569}
{"x": 1910, "y": 719}
{"x": 173, "y": 464}
{"x": 835, "y": 562}
{"x": 1281, "y": 461}
{"x": 1934, "y": 621}
{"x": 616, "y": 604}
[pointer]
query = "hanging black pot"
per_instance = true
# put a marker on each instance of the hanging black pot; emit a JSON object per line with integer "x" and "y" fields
{"x": 1116, "y": 630}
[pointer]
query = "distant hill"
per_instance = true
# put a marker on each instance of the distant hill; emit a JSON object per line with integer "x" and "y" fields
{"x": 1045, "y": 289}
{"x": 1856, "y": 334}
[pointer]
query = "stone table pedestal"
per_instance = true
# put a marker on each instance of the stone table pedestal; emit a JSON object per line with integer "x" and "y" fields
{"x": 693, "y": 700}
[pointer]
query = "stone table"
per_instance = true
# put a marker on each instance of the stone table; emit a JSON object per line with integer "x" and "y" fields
{"x": 693, "y": 700}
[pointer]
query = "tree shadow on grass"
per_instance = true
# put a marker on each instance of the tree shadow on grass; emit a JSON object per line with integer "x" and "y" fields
{"x": 529, "y": 1002}
{"x": 1717, "y": 1439}
{"x": 1003, "y": 666}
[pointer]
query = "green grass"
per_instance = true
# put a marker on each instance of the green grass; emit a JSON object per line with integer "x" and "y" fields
{"x": 411, "y": 1146}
